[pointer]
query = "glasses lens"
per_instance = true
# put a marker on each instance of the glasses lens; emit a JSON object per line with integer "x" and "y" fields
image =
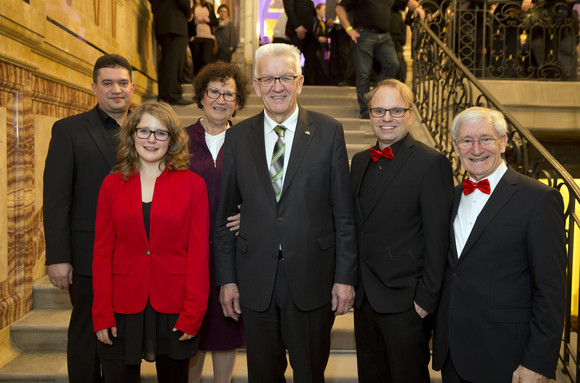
{"x": 397, "y": 112}
{"x": 212, "y": 93}
{"x": 267, "y": 81}
{"x": 143, "y": 133}
{"x": 161, "y": 135}
{"x": 230, "y": 97}
{"x": 378, "y": 112}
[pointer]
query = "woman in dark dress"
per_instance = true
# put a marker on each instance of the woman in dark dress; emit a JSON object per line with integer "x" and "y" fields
{"x": 151, "y": 252}
{"x": 220, "y": 90}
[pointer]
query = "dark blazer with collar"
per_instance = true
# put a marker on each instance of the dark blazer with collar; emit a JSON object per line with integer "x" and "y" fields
{"x": 79, "y": 157}
{"x": 403, "y": 240}
{"x": 503, "y": 299}
{"x": 313, "y": 221}
{"x": 299, "y": 12}
{"x": 171, "y": 16}
{"x": 170, "y": 269}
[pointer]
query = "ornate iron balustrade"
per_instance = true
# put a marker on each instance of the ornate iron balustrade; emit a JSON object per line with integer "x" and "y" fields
{"x": 443, "y": 87}
{"x": 499, "y": 40}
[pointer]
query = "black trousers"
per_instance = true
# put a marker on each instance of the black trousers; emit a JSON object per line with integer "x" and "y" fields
{"x": 201, "y": 53}
{"x": 308, "y": 46}
{"x": 391, "y": 348}
{"x": 82, "y": 359}
{"x": 168, "y": 370}
{"x": 170, "y": 67}
{"x": 306, "y": 335}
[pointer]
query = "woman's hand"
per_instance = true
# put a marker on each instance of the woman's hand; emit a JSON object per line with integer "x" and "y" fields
{"x": 184, "y": 336}
{"x": 103, "y": 335}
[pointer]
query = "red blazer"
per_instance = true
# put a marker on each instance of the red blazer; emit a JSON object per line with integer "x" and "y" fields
{"x": 170, "y": 269}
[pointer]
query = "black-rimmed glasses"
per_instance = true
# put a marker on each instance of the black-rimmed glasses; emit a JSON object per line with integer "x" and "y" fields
{"x": 214, "y": 94}
{"x": 394, "y": 112}
{"x": 160, "y": 135}
{"x": 284, "y": 80}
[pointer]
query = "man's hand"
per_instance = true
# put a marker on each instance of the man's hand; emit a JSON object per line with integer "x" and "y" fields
{"x": 301, "y": 32}
{"x": 419, "y": 12}
{"x": 230, "y": 301}
{"x": 60, "y": 275}
{"x": 234, "y": 220}
{"x": 354, "y": 35}
{"x": 342, "y": 298}
{"x": 524, "y": 375}
{"x": 526, "y": 5}
{"x": 103, "y": 335}
{"x": 420, "y": 311}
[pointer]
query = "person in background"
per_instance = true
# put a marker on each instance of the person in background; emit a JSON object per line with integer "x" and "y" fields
{"x": 300, "y": 28}
{"x": 225, "y": 35}
{"x": 80, "y": 155}
{"x": 279, "y": 33}
{"x": 150, "y": 260}
{"x": 220, "y": 91}
{"x": 322, "y": 70}
{"x": 202, "y": 40}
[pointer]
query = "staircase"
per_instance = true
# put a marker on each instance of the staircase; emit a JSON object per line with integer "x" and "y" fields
{"x": 41, "y": 334}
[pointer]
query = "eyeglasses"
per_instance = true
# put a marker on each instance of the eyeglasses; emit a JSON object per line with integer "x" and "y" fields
{"x": 214, "y": 94}
{"x": 160, "y": 135}
{"x": 394, "y": 112}
{"x": 284, "y": 80}
{"x": 485, "y": 142}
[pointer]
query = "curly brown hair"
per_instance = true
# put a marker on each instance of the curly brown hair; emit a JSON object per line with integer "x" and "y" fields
{"x": 220, "y": 71}
{"x": 177, "y": 156}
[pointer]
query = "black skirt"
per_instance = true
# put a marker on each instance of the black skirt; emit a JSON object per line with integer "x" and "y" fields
{"x": 144, "y": 336}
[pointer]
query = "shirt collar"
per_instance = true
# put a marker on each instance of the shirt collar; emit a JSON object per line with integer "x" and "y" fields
{"x": 289, "y": 123}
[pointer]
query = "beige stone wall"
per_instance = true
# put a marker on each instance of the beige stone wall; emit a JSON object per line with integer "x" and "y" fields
{"x": 47, "y": 52}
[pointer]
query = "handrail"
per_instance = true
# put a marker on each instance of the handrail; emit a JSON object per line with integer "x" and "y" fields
{"x": 443, "y": 87}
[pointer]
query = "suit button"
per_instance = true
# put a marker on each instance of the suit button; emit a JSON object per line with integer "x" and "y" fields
{"x": 455, "y": 274}
{"x": 280, "y": 219}
{"x": 147, "y": 253}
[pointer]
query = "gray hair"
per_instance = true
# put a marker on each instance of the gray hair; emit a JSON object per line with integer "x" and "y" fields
{"x": 476, "y": 114}
{"x": 273, "y": 50}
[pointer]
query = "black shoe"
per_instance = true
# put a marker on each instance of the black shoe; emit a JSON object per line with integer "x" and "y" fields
{"x": 182, "y": 102}
{"x": 364, "y": 116}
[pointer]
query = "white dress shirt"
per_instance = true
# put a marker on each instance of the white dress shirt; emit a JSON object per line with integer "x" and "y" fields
{"x": 470, "y": 206}
{"x": 270, "y": 138}
{"x": 215, "y": 143}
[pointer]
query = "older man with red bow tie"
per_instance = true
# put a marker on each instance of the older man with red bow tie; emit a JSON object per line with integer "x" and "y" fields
{"x": 502, "y": 306}
{"x": 403, "y": 191}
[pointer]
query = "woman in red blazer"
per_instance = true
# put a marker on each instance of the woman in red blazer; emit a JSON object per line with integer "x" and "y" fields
{"x": 150, "y": 261}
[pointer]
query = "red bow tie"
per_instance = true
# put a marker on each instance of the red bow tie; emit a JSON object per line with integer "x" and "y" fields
{"x": 377, "y": 154}
{"x": 470, "y": 186}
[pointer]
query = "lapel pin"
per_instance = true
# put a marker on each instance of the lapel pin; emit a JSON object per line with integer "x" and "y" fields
{"x": 307, "y": 132}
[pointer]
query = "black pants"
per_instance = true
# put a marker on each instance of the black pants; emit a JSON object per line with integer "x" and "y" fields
{"x": 168, "y": 370}
{"x": 308, "y": 46}
{"x": 82, "y": 359}
{"x": 306, "y": 335}
{"x": 201, "y": 53}
{"x": 170, "y": 68}
{"x": 390, "y": 348}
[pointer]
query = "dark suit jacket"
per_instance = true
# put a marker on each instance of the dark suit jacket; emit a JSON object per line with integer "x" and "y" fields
{"x": 80, "y": 156}
{"x": 313, "y": 220}
{"x": 403, "y": 240}
{"x": 503, "y": 300}
{"x": 170, "y": 16}
{"x": 299, "y": 12}
{"x": 170, "y": 268}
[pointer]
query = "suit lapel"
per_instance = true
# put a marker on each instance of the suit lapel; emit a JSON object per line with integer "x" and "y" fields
{"x": 299, "y": 146}
{"x": 99, "y": 135}
{"x": 397, "y": 163}
{"x": 500, "y": 196}
{"x": 452, "y": 245}
{"x": 358, "y": 171}
{"x": 258, "y": 149}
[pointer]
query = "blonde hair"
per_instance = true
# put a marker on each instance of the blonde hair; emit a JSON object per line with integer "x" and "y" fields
{"x": 177, "y": 156}
{"x": 406, "y": 93}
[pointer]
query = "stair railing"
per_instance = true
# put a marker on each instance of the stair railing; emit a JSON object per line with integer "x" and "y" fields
{"x": 442, "y": 88}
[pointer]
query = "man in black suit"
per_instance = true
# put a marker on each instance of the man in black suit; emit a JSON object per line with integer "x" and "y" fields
{"x": 502, "y": 306}
{"x": 403, "y": 192}
{"x": 300, "y": 28}
{"x": 82, "y": 152}
{"x": 170, "y": 18}
{"x": 294, "y": 260}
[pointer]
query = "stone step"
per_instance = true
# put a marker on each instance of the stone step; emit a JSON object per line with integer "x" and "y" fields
{"x": 41, "y": 330}
{"x": 46, "y": 296}
{"x": 32, "y": 367}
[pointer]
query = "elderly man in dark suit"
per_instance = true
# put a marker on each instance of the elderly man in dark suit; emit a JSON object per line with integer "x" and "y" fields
{"x": 501, "y": 313}
{"x": 170, "y": 18}
{"x": 403, "y": 191}
{"x": 292, "y": 267}
{"x": 81, "y": 153}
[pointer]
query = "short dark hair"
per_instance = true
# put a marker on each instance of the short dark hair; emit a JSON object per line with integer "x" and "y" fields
{"x": 224, "y": 6}
{"x": 220, "y": 71}
{"x": 111, "y": 61}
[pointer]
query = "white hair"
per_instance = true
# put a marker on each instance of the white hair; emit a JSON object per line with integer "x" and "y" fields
{"x": 476, "y": 114}
{"x": 274, "y": 50}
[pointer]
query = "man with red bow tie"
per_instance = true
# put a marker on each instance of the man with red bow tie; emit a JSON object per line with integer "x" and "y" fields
{"x": 403, "y": 191}
{"x": 502, "y": 305}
